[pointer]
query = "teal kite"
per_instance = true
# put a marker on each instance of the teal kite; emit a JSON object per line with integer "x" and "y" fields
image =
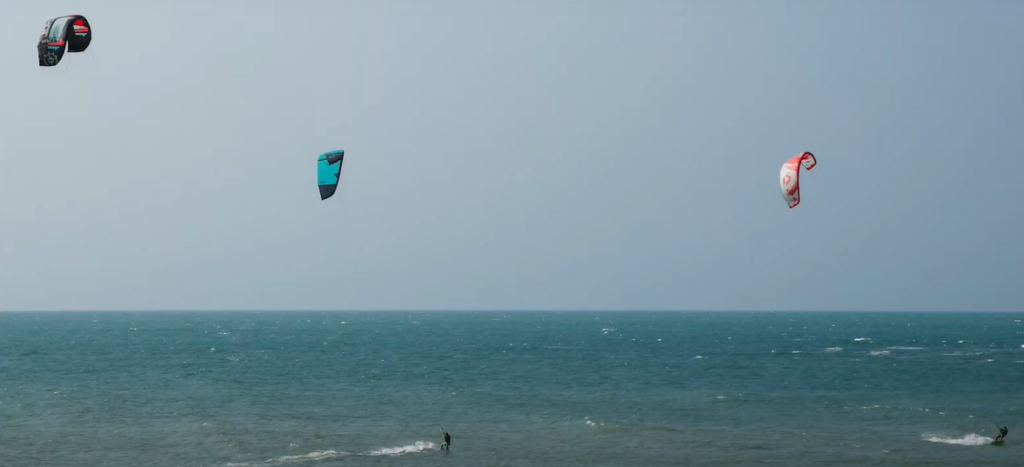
{"x": 328, "y": 172}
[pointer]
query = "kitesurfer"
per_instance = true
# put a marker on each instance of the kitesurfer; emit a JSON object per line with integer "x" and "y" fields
{"x": 1002, "y": 433}
{"x": 447, "y": 441}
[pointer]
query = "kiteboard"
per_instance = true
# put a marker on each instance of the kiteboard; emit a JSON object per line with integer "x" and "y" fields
{"x": 998, "y": 443}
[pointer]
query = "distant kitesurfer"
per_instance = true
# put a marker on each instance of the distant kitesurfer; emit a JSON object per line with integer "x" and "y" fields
{"x": 447, "y": 441}
{"x": 1002, "y": 433}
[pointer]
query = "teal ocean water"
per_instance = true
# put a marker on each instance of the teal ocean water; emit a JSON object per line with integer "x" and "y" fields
{"x": 532, "y": 389}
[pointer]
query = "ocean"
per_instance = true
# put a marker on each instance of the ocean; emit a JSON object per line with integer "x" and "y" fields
{"x": 558, "y": 389}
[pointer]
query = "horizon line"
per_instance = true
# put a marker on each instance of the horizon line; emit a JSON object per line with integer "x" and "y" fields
{"x": 493, "y": 310}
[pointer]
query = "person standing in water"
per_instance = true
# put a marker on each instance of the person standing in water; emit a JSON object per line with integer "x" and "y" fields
{"x": 1002, "y": 433}
{"x": 447, "y": 446}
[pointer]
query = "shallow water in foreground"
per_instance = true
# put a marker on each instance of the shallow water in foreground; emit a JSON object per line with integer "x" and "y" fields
{"x": 514, "y": 389}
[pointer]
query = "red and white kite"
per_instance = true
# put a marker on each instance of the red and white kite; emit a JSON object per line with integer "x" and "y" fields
{"x": 789, "y": 177}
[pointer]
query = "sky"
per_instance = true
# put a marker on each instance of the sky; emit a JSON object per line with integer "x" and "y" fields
{"x": 515, "y": 155}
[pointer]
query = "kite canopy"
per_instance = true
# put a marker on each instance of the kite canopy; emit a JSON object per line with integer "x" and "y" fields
{"x": 70, "y": 33}
{"x": 328, "y": 172}
{"x": 789, "y": 177}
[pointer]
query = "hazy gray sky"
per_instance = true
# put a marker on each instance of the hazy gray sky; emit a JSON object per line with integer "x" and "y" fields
{"x": 539, "y": 154}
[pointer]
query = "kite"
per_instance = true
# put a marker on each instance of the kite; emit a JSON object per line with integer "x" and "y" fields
{"x": 789, "y": 177}
{"x": 328, "y": 172}
{"x": 70, "y": 33}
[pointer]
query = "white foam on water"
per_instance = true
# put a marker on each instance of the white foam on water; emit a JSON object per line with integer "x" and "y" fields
{"x": 970, "y": 439}
{"x": 418, "y": 446}
{"x": 313, "y": 456}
